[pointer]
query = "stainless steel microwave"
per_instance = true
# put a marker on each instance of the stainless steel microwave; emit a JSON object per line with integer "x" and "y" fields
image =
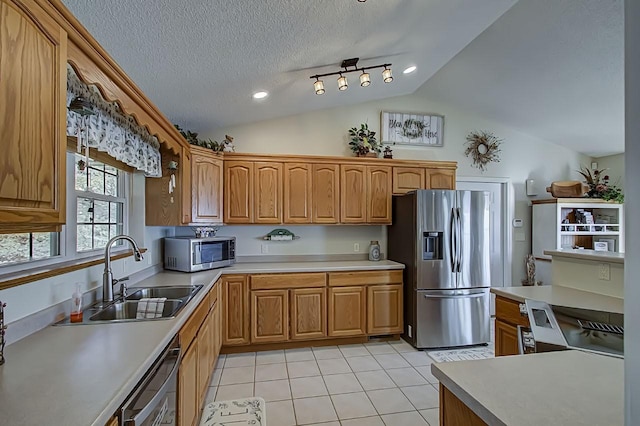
{"x": 189, "y": 254}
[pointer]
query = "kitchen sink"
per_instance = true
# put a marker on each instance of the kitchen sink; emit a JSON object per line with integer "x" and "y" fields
{"x": 177, "y": 292}
{"x": 127, "y": 310}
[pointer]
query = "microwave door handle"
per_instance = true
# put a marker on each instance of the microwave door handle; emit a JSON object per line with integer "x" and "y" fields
{"x": 143, "y": 414}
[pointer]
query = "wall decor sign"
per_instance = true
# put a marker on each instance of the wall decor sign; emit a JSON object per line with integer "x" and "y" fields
{"x": 412, "y": 129}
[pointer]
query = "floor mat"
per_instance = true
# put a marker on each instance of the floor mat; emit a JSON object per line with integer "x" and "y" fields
{"x": 467, "y": 354}
{"x": 246, "y": 411}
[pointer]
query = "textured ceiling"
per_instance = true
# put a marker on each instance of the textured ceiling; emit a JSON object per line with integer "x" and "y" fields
{"x": 551, "y": 68}
{"x": 200, "y": 61}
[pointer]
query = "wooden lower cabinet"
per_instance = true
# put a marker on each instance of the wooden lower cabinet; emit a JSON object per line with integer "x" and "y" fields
{"x": 270, "y": 316}
{"x": 188, "y": 399}
{"x": 347, "y": 311}
{"x": 384, "y": 309}
{"x": 308, "y": 313}
{"x": 506, "y": 339}
{"x": 205, "y": 351}
{"x": 235, "y": 327}
{"x": 454, "y": 412}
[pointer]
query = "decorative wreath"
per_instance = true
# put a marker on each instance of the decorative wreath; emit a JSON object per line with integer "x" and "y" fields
{"x": 483, "y": 147}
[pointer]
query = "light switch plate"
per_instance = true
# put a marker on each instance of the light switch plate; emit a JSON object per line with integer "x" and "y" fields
{"x": 519, "y": 236}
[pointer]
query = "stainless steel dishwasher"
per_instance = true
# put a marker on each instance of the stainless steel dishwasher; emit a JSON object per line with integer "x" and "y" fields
{"x": 153, "y": 402}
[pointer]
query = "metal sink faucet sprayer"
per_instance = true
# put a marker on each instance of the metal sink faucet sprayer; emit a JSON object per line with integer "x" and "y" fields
{"x": 107, "y": 277}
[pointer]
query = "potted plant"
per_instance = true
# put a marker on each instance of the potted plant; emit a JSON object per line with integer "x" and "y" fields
{"x": 599, "y": 186}
{"x": 363, "y": 141}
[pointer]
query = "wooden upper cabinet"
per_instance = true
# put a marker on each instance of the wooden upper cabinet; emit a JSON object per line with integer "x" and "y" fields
{"x": 353, "y": 193}
{"x": 267, "y": 196}
{"x": 185, "y": 187}
{"x": 235, "y": 312}
{"x": 379, "y": 194}
{"x": 440, "y": 179}
{"x": 407, "y": 179}
{"x": 297, "y": 192}
{"x": 269, "y": 316}
{"x": 206, "y": 188}
{"x": 325, "y": 204}
{"x": 238, "y": 192}
{"x": 33, "y": 88}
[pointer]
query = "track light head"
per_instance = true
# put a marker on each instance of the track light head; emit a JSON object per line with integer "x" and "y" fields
{"x": 318, "y": 86}
{"x": 386, "y": 75}
{"x": 365, "y": 79}
{"x": 342, "y": 83}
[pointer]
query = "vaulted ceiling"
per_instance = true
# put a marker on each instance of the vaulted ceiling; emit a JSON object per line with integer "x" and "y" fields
{"x": 548, "y": 67}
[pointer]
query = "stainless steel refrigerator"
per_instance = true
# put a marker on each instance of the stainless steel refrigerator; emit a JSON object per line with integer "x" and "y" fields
{"x": 443, "y": 239}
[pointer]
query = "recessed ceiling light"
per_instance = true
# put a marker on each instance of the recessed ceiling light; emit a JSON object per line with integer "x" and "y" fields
{"x": 260, "y": 95}
{"x": 409, "y": 70}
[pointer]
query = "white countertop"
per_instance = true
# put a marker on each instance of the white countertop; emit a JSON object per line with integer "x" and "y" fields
{"x": 555, "y": 388}
{"x": 598, "y": 256}
{"x": 563, "y": 296}
{"x": 81, "y": 374}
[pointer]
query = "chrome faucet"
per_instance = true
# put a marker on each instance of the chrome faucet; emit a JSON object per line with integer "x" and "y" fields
{"x": 107, "y": 277}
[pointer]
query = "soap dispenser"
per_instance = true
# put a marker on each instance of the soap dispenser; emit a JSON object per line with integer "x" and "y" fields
{"x": 76, "y": 305}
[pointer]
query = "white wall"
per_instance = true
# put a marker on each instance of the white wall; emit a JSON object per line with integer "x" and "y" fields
{"x": 632, "y": 210}
{"x": 615, "y": 164}
{"x": 325, "y": 133}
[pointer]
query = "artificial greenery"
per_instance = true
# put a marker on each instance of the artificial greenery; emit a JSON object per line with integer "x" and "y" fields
{"x": 599, "y": 186}
{"x": 484, "y": 148}
{"x": 364, "y": 140}
{"x": 192, "y": 138}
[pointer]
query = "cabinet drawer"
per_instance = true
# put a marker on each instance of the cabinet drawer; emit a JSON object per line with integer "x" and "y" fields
{"x": 509, "y": 312}
{"x": 364, "y": 278}
{"x": 271, "y": 281}
{"x": 190, "y": 329}
{"x": 213, "y": 293}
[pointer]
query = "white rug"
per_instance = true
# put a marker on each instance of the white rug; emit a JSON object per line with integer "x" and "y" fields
{"x": 466, "y": 354}
{"x": 246, "y": 411}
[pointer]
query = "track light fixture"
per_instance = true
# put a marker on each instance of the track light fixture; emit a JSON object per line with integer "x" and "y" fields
{"x": 351, "y": 65}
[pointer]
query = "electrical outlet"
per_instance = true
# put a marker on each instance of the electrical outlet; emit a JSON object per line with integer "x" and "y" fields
{"x": 604, "y": 272}
{"x": 356, "y": 247}
{"x": 264, "y": 248}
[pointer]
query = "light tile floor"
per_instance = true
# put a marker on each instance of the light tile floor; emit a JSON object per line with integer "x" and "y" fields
{"x": 369, "y": 384}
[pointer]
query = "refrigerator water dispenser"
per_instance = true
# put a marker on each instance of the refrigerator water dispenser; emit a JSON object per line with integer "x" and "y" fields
{"x": 432, "y": 246}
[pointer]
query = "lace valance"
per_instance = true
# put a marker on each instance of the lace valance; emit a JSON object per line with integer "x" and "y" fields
{"x": 111, "y": 131}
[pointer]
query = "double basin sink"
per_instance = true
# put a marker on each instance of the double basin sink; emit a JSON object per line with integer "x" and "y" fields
{"x": 126, "y": 309}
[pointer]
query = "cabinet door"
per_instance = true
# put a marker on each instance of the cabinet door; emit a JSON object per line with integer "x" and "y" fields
{"x": 214, "y": 335}
{"x": 325, "y": 199}
{"x": 297, "y": 193}
{"x": 269, "y": 316}
{"x": 206, "y": 188}
{"x": 188, "y": 400}
{"x": 353, "y": 194}
{"x": 440, "y": 179}
{"x": 308, "y": 313}
{"x": 205, "y": 349}
{"x": 378, "y": 194}
{"x": 407, "y": 179}
{"x": 238, "y": 192}
{"x": 267, "y": 196}
{"x": 347, "y": 316}
{"x": 236, "y": 310}
{"x": 384, "y": 309}
{"x": 33, "y": 84}
{"x": 506, "y": 339}
{"x": 185, "y": 187}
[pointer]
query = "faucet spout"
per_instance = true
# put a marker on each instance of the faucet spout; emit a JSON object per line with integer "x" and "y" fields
{"x": 107, "y": 276}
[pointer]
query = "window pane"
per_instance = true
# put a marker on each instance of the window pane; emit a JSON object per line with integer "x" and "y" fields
{"x": 95, "y": 164}
{"x": 14, "y": 248}
{"x": 116, "y": 213}
{"x": 44, "y": 245}
{"x": 101, "y": 211}
{"x": 111, "y": 184}
{"x": 84, "y": 240}
{"x": 101, "y": 236}
{"x": 81, "y": 178}
{"x": 115, "y": 230}
{"x": 96, "y": 181}
{"x": 84, "y": 213}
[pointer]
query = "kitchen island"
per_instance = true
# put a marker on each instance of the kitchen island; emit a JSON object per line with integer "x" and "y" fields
{"x": 556, "y": 388}
{"x": 81, "y": 374}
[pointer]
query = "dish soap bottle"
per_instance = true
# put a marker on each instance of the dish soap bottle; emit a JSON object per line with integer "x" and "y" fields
{"x": 374, "y": 251}
{"x": 76, "y": 305}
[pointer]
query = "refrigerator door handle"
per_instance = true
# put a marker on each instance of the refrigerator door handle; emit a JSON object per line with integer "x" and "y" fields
{"x": 453, "y": 253}
{"x": 454, "y": 296}
{"x": 459, "y": 236}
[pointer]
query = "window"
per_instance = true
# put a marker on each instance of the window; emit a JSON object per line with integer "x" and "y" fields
{"x": 97, "y": 199}
{"x": 100, "y": 203}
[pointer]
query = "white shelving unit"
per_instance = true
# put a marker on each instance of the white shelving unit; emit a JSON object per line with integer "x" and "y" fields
{"x": 555, "y": 225}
